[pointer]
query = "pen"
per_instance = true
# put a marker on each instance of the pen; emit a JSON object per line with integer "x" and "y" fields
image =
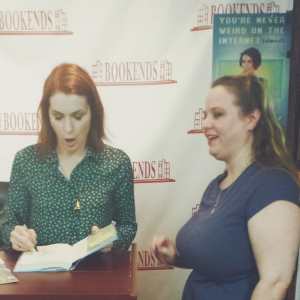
{"x": 20, "y": 220}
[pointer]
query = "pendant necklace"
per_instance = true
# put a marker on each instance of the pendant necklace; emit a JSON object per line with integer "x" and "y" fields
{"x": 218, "y": 200}
{"x": 219, "y": 197}
{"x": 78, "y": 204}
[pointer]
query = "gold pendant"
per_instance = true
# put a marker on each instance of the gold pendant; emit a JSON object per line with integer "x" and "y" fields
{"x": 78, "y": 206}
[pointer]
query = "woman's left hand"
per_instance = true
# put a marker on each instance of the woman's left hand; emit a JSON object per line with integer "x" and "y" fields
{"x": 106, "y": 249}
{"x": 164, "y": 249}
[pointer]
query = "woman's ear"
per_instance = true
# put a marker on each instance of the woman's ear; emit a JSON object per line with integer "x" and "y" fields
{"x": 253, "y": 119}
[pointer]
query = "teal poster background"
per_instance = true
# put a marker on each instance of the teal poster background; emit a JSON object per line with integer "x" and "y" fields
{"x": 268, "y": 33}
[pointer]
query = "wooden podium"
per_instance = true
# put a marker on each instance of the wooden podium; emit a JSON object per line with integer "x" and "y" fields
{"x": 99, "y": 276}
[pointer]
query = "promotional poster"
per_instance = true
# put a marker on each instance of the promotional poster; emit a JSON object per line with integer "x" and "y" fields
{"x": 266, "y": 41}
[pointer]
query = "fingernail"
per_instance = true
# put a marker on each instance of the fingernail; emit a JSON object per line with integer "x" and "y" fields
{"x": 95, "y": 231}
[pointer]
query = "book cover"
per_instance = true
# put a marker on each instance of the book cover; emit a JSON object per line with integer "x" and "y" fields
{"x": 265, "y": 37}
{"x": 5, "y": 274}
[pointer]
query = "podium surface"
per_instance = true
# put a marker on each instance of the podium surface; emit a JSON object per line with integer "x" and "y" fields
{"x": 98, "y": 276}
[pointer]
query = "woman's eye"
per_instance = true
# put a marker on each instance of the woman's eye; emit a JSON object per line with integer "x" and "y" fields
{"x": 217, "y": 115}
{"x": 78, "y": 117}
{"x": 57, "y": 118}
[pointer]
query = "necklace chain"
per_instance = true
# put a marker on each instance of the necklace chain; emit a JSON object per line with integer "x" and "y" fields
{"x": 78, "y": 204}
{"x": 219, "y": 196}
{"x": 218, "y": 199}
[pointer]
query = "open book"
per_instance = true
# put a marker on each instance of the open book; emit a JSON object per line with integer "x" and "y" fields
{"x": 61, "y": 257}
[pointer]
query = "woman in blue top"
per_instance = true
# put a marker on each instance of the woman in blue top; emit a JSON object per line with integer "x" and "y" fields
{"x": 70, "y": 184}
{"x": 243, "y": 242}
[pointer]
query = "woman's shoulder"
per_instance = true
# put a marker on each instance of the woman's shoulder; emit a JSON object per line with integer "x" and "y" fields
{"x": 272, "y": 181}
{"x": 268, "y": 179}
{"x": 113, "y": 156}
{"x": 267, "y": 184}
{"x": 112, "y": 153}
{"x": 27, "y": 157}
{"x": 28, "y": 152}
{"x": 265, "y": 173}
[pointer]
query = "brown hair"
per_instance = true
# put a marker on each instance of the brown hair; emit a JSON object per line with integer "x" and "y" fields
{"x": 268, "y": 137}
{"x": 71, "y": 79}
{"x": 255, "y": 56}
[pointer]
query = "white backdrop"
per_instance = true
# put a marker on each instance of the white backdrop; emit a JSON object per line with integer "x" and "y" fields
{"x": 156, "y": 59}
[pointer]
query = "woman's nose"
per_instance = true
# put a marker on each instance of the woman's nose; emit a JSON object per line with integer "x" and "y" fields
{"x": 207, "y": 122}
{"x": 68, "y": 126}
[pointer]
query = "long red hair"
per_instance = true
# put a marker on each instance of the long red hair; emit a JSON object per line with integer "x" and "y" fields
{"x": 71, "y": 79}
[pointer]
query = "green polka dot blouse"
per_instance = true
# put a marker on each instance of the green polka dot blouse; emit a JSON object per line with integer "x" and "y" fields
{"x": 45, "y": 199}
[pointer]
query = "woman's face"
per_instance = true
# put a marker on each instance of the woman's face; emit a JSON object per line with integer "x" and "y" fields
{"x": 70, "y": 118}
{"x": 226, "y": 130}
{"x": 247, "y": 65}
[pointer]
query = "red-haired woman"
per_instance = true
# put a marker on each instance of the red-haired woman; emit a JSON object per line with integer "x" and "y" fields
{"x": 70, "y": 183}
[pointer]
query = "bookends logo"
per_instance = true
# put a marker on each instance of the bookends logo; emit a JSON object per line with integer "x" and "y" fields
{"x": 198, "y": 121}
{"x": 146, "y": 261}
{"x": 151, "y": 172}
{"x": 205, "y": 14}
{"x": 34, "y": 23}
{"x": 19, "y": 124}
{"x": 132, "y": 73}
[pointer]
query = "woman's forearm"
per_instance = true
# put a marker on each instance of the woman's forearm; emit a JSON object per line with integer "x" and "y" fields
{"x": 265, "y": 290}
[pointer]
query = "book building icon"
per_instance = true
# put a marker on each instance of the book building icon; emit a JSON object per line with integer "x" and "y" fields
{"x": 195, "y": 209}
{"x": 198, "y": 122}
{"x": 202, "y": 19}
{"x": 165, "y": 71}
{"x": 163, "y": 174}
{"x": 163, "y": 170}
{"x": 61, "y": 23}
{"x": 165, "y": 75}
{"x": 272, "y": 8}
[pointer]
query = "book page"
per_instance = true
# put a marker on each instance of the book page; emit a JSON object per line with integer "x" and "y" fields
{"x": 94, "y": 242}
{"x": 50, "y": 256}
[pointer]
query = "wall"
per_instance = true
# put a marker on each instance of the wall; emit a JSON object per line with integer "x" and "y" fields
{"x": 156, "y": 60}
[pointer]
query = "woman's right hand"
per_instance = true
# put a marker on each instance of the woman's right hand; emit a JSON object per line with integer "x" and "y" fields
{"x": 249, "y": 71}
{"x": 164, "y": 249}
{"x": 23, "y": 239}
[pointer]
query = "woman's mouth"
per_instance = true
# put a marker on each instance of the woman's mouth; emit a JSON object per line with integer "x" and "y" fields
{"x": 211, "y": 138}
{"x": 70, "y": 142}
